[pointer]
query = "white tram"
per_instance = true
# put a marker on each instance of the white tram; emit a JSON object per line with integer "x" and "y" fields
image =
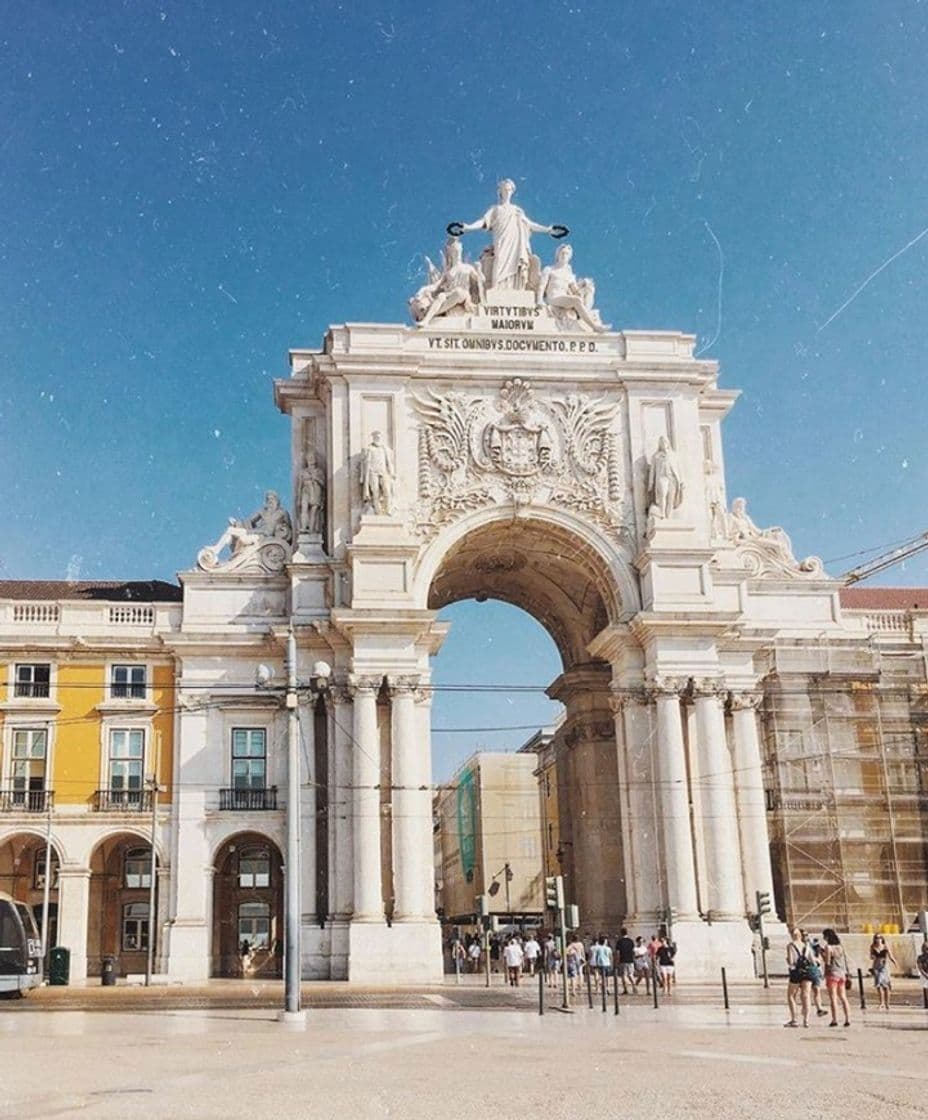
{"x": 20, "y": 947}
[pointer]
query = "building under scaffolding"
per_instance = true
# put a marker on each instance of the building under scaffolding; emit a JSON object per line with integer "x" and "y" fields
{"x": 845, "y": 726}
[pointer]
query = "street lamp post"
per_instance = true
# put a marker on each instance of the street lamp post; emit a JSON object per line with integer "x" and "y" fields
{"x": 293, "y": 952}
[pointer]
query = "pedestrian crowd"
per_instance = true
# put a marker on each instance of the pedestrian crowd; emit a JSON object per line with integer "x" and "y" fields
{"x": 632, "y": 960}
{"x": 816, "y": 964}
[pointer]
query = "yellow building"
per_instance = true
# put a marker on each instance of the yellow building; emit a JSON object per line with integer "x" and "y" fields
{"x": 488, "y": 821}
{"x": 86, "y": 723}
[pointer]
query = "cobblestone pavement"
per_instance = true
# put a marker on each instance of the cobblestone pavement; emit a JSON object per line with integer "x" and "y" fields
{"x": 457, "y": 1058}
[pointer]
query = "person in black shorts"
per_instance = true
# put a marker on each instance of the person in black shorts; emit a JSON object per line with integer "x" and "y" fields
{"x": 625, "y": 960}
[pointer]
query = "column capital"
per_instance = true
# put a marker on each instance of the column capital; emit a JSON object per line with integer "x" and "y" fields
{"x": 744, "y": 701}
{"x": 403, "y": 684}
{"x": 707, "y": 688}
{"x": 339, "y": 692}
{"x": 621, "y": 698}
{"x": 665, "y": 686}
{"x": 358, "y": 684}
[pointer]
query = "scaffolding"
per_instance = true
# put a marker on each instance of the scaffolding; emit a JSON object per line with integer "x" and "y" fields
{"x": 846, "y": 775}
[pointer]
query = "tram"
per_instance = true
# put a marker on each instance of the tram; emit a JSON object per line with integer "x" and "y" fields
{"x": 20, "y": 948}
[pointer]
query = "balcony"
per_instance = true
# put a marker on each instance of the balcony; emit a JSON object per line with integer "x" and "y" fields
{"x": 248, "y": 800}
{"x": 26, "y": 800}
{"x": 122, "y": 801}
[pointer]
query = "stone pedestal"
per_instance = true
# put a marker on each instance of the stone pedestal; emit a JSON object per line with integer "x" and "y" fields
{"x": 406, "y": 953}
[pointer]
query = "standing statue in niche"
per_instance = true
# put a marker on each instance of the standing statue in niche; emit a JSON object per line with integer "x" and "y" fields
{"x": 715, "y": 499}
{"x": 459, "y": 284}
{"x": 511, "y": 229}
{"x": 377, "y": 475}
{"x": 665, "y": 483}
{"x": 560, "y": 289}
{"x": 312, "y": 495}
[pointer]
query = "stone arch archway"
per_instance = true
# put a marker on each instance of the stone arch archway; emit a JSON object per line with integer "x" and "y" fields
{"x": 23, "y": 871}
{"x": 119, "y": 922}
{"x": 248, "y": 914}
{"x": 576, "y": 587}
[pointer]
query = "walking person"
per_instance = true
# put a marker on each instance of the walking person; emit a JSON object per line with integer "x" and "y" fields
{"x": 642, "y": 966}
{"x": 514, "y": 958}
{"x": 473, "y": 955}
{"x": 881, "y": 958}
{"x": 921, "y": 963}
{"x": 800, "y": 966}
{"x": 818, "y": 972}
{"x": 532, "y": 951}
{"x": 836, "y": 976}
{"x": 666, "y": 956}
{"x": 576, "y": 954}
{"x": 625, "y": 960}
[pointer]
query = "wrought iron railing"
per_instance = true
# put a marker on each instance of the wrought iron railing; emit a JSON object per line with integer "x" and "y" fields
{"x": 122, "y": 800}
{"x": 26, "y": 800}
{"x": 248, "y": 799}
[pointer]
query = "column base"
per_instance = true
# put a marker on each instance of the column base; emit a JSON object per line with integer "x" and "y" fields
{"x": 704, "y": 950}
{"x": 187, "y": 951}
{"x": 404, "y": 953}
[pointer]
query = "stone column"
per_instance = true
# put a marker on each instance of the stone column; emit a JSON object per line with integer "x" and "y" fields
{"x": 73, "y": 903}
{"x": 426, "y": 842}
{"x": 368, "y": 893}
{"x": 408, "y": 866}
{"x": 638, "y": 798}
{"x": 189, "y": 934}
{"x": 680, "y": 867}
{"x": 749, "y": 793}
{"x": 720, "y": 823}
{"x": 341, "y": 816}
{"x": 307, "y": 810}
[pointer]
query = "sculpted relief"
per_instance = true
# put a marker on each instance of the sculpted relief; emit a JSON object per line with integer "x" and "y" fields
{"x": 259, "y": 543}
{"x": 767, "y": 552}
{"x": 478, "y": 451}
{"x": 559, "y": 300}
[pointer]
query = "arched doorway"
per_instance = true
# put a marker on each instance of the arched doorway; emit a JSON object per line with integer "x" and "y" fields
{"x": 22, "y": 875}
{"x": 119, "y": 922}
{"x": 248, "y": 913}
{"x": 563, "y": 582}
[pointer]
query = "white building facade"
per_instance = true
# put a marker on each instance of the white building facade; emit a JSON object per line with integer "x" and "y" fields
{"x": 510, "y": 446}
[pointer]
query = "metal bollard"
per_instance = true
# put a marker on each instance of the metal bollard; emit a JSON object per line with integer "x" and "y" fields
{"x": 615, "y": 990}
{"x": 589, "y": 986}
{"x": 725, "y": 988}
{"x": 654, "y": 983}
{"x": 860, "y": 985}
{"x": 925, "y": 997}
{"x": 541, "y": 992}
{"x": 605, "y": 985}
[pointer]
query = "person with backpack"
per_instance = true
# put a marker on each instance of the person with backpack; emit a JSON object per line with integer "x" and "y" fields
{"x": 801, "y": 968}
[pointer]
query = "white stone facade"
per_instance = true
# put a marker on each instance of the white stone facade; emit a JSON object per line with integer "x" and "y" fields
{"x": 511, "y": 447}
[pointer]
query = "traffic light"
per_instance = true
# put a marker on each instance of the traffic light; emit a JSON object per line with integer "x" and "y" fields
{"x": 763, "y": 902}
{"x": 483, "y": 905}
{"x": 573, "y": 916}
{"x": 554, "y": 892}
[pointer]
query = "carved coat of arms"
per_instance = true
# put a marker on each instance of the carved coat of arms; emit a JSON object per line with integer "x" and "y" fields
{"x": 477, "y": 451}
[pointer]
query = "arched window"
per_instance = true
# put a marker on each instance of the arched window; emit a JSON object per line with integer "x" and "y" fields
{"x": 254, "y": 926}
{"x": 254, "y": 867}
{"x": 135, "y": 927}
{"x": 138, "y": 867}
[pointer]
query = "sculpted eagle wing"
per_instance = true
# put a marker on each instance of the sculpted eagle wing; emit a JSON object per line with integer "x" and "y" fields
{"x": 446, "y": 423}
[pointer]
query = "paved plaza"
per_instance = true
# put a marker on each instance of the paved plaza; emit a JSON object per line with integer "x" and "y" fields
{"x": 458, "y": 1049}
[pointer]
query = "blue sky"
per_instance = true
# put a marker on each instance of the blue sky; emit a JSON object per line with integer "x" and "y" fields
{"x": 187, "y": 190}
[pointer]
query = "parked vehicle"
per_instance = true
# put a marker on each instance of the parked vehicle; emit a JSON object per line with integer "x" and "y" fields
{"x": 20, "y": 948}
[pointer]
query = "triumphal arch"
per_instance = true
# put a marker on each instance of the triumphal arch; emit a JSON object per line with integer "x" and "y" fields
{"x": 506, "y": 442}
